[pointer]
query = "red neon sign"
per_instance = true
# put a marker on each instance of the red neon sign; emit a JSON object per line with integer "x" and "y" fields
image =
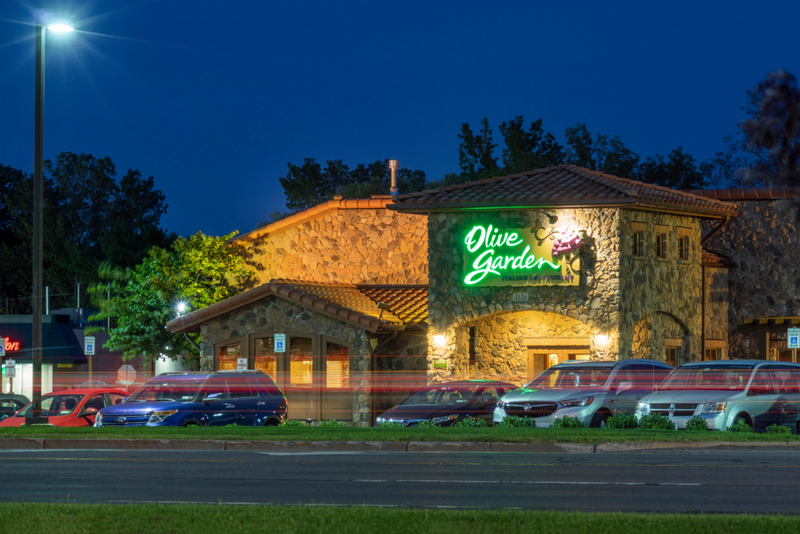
{"x": 11, "y": 346}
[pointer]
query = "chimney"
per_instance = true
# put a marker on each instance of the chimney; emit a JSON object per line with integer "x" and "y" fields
{"x": 393, "y": 165}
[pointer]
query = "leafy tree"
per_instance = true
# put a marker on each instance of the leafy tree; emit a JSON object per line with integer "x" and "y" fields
{"x": 476, "y": 153}
{"x": 531, "y": 150}
{"x": 375, "y": 179}
{"x": 198, "y": 271}
{"x": 678, "y": 172}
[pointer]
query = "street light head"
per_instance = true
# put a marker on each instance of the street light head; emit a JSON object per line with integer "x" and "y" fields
{"x": 181, "y": 307}
{"x": 60, "y": 28}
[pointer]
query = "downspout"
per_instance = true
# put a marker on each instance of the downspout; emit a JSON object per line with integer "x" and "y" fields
{"x": 703, "y": 308}
{"x": 714, "y": 232}
{"x": 373, "y": 398}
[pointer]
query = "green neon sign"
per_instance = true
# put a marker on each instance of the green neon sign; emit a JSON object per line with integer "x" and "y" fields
{"x": 521, "y": 257}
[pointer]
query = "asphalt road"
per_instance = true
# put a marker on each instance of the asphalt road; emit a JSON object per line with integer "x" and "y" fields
{"x": 685, "y": 481}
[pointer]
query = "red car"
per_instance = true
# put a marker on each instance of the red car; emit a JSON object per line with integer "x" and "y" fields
{"x": 72, "y": 407}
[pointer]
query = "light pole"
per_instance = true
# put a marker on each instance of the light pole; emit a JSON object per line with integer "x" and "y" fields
{"x": 38, "y": 188}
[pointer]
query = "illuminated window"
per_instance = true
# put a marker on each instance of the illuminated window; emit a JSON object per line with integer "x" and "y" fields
{"x": 265, "y": 359}
{"x": 671, "y": 357}
{"x": 301, "y": 364}
{"x": 228, "y": 355}
{"x": 661, "y": 245}
{"x": 338, "y": 363}
{"x": 638, "y": 244}
{"x": 683, "y": 247}
{"x": 714, "y": 354}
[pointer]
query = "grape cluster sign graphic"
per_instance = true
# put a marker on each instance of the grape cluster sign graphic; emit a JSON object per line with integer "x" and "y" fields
{"x": 522, "y": 256}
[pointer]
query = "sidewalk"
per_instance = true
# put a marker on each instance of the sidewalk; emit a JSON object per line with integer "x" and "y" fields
{"x": 372, "y": 446}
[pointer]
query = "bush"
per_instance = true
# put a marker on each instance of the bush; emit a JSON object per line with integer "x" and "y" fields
{"x": 392, "y": 424}
{"x": 516, "y": 421}
{"x": 568, "y": 422}
{"x": 427, "y": 424}
{"x": 740, "y": 426}
{"x": 293, "y": 422}
{"x": 696, "y": 424}
{"x": 623, "y": 421}
{"x": 778, "y": 429}
{"x": 471, "y": 422}
{"x": 656, "y": 421}
{"x": 333, "y": 424}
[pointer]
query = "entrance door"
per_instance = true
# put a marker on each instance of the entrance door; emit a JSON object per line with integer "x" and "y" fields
{"x": 538, "y": 362}
{"x": 300, "y": 390}
{"x": 337, "y": 395}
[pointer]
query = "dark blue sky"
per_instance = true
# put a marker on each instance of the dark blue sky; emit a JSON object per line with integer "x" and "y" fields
{"x": 214, "y": 98}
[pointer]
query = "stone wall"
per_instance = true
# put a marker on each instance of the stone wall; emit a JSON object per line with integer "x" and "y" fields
{"x": 763, "y": 242}
{"x": 357, "y": 246}
{"x": 667, "y": 290}
{"x": 452, "y": 306}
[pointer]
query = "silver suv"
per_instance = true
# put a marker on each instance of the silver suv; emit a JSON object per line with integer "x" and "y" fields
{"x": 589, "y": 391}
{"x": 760, "y": 393}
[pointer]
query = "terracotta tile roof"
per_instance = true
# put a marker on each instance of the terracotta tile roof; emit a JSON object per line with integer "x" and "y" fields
{"x": 561, "y": 186}
{"x": 356, "y": 305}
{"x": 716, "y": 260}
{"x": 759, "y": 193}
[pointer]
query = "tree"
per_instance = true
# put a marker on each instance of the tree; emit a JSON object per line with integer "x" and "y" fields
{"x": 476, "y": 153}
{"x": 678, "y": 172}
{"x": 375, "y": 179}
{"x": 197, "y": 271}
{"x": 531, "y": 150}
{"x": 774, "y": 131}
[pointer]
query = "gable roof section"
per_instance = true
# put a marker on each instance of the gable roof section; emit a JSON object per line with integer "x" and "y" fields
{"x": 563, "y": 186}
{"x": 712, "y": 259}
{"x": 356, "y": 305}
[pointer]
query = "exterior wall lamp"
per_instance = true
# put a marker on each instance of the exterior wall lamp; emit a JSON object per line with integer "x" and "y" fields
{"x": 439, "y": 340}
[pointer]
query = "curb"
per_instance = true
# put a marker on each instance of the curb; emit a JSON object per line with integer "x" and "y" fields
{"x": 375, "y": 446}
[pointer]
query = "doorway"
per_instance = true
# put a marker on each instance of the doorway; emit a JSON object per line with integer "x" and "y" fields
{"x": 541, "y": 359}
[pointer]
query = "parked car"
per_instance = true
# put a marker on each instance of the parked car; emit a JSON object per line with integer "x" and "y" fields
{"x": 587, "y": 390}
{"x": 219, "y": 398}
{"x": 71, "y": 407}
{"x": 11, "y": 404}
{"x": 760, "y": 393}
{"x": 448, "y": 402}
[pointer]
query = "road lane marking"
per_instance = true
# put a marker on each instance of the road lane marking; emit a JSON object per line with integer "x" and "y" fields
{"x": 530, "y": 482}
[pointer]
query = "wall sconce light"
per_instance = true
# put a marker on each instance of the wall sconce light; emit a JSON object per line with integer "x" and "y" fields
{"x": 601, "y": 340}
{"x": 439, "y": 340}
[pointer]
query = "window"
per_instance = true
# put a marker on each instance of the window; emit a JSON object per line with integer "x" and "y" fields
{"x": 338, "y": 363}
{"x": 265, "y": 358}
{"x": 228, "y": 355}
{"x": 648, "y": 375}
{"x": 661, "y": 245}
{"x": 762, "y": 383}
{"x": 683, "y": 247}
{"x": 671, "y": 356}
{"x": 638, "y": 244}
{"x": 116, "y": 398}
{"x": 97, "y": 402}
{"x": 713, "y": 354}
{"x": 472, "y": 358}
{"x": 301, "y": 363}
{"x": 239, "y": 387}
{"x": 787, "y": 379}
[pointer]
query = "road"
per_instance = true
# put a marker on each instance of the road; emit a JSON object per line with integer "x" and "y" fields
{"x": 680, "y": 481}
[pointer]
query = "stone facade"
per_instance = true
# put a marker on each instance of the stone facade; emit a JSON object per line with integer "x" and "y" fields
{"x": 717, "y": 306}
{"x": 763, "y": 243}
{"x": 660, "y": 297}
{"x": 591, "y": 307}
{"x": 355, "y": 246}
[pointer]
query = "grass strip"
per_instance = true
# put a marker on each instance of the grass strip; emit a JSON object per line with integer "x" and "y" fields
{"x": 510, "y": 435}
{"x": 42, "y": 518}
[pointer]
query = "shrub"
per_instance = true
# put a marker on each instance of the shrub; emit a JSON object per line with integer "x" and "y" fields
{"x": 516, "y": 421}
{"x": 427, "y": 424}
{"x": 471, "y": 422}
{"x": 740, "y": 426}
{"x": 623, "y": 421}
{"x": 696, "y": 424}
{"x": 656, "y": 421}
{"x": 392, "y": 424}
{"x": 293, "y": 422}
{"x": 332, "y": 424}
{"x": 778, "y": 429}
{"x": 568, "y": 422}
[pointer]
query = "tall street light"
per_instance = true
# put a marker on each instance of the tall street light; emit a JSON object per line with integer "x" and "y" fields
{"x": 38, "y": 189}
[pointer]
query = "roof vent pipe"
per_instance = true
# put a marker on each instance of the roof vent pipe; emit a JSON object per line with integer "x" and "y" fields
{"x": 393, "y": 165}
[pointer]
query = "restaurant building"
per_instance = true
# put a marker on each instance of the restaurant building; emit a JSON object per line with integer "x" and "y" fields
{"x": 362, "y": 301}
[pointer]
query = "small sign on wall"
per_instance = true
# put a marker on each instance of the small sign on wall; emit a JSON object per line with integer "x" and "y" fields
{"x": 440, "y": 365}
{"x": 280, "y": 342}
{"x": 88, "y": 345}
{"x": 793, "y": 341}
{"x": 241, "y": 364}
{"x": 521, "y": 297}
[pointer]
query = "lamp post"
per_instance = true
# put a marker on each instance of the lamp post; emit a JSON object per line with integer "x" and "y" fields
{"x": 38, "y": 188}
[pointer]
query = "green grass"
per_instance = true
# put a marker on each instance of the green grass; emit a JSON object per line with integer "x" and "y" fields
{"x": 195, "y": 519}
{"x": 512, "y": 435}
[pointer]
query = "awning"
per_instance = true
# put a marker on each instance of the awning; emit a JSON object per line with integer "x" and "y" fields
{"x": 776, "y": 325}
{"x": 59, "y": 344}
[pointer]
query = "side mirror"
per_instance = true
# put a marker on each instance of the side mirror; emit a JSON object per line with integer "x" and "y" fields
{"x": 213, "y": 397}
{"x": 89, "y": 411}
{"x": 623, "y": 387}
{"x": 122, "y": 400}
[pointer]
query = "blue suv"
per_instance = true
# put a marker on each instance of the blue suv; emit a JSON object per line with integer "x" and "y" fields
{"x": 248, "y": 398}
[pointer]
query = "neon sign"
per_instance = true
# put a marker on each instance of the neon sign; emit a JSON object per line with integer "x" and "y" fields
{"x": 11, "y": 346}
{"x": 521, "y": 257}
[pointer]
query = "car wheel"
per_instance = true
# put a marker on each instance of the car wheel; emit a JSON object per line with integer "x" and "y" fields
{"x": 744, "y": 419}
{"x": 191, "y": 423}
{"x": 271, "y": 422}
{"x": 599, "y": 420}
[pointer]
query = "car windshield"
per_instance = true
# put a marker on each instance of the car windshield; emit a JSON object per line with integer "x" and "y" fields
{"x": 699, "y": 377}
{"x": 441, "y": 395}
{"x": 53, "y": 405}
{"x": 167, "y": 390}
{"x": 571, "y": 377}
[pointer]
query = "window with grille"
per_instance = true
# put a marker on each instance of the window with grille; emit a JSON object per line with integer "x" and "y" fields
{"x": 683, "y": 247}
{"x": 713, "y": 354}
{"x": 661, "y": 245}
{"x": 672, "y": 356}
{"x": 638, "y": 244}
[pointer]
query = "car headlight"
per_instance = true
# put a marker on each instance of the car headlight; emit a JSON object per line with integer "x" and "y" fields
{"x": 444, "y": 419}
{"x": 98, "y": 420}
{"x": 583, "y": 401}
{"x": 714, "y": 407}
{"x": 643, "y": 407}
{"x": 380, "y": 420}
{"x": 158, "y": 417}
